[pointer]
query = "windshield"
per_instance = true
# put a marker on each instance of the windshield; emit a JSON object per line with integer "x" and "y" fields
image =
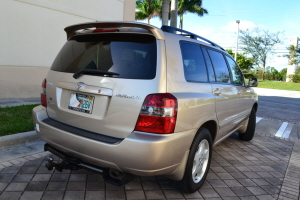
{"x": 131, "y": 56}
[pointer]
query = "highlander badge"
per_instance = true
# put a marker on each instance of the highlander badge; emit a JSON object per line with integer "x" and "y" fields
{"x": 128, "y": 96}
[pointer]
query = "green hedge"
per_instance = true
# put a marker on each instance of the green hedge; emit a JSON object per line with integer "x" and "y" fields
{"x": 295, "y": 78}
{"x": 274, "y": 77}
{"x": 249, "y": 75}
{"x": 268, "y": 76}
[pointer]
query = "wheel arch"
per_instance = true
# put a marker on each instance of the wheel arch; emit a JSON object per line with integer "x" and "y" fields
{"x": 255, "y": 106}
{"x": 179, "y": 172}
{"x": 185, "y": 183}
{"x": 212, "y": 127}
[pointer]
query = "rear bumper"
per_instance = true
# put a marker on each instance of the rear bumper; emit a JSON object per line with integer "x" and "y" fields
{"x": 142, "y": 154}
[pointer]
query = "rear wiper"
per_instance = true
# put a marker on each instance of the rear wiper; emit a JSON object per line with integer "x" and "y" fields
{"x": 93, "y": 72}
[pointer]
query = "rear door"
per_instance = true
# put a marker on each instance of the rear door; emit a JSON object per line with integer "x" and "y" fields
{"x": 245, "y": 101}
{"x": 103, "y": 103}
{"x": 226, "y": 95}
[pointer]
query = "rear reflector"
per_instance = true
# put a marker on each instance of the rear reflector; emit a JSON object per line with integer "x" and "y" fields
{"x": 158, "y": 114}
{"x": 43, "y": 94}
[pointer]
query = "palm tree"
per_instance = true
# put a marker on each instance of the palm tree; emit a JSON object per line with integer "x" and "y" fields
{"x": 192, "y": 6}
{"x": 148, "y": 9}
{"x": 165, "y": 11}
{"x": 174, "y": 12}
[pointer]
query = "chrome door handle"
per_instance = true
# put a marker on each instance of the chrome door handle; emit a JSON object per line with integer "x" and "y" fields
{"x": 217, "y": 92}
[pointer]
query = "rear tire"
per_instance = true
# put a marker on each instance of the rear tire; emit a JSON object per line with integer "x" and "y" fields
{"x": 248, "y": 135}
{"x": 198, "y": 162}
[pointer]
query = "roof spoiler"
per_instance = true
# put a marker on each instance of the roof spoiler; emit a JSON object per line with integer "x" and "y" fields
{"x": 71, "y": 30}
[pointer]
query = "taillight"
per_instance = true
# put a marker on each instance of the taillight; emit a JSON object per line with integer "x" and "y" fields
{"x": 43, "y": 94}
{"x": 158, "y": 114}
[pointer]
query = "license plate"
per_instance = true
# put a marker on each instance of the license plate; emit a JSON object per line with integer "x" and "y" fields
{"x": 81, "y": 103}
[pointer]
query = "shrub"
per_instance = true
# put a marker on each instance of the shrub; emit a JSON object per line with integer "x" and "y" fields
{"x": 296, "y": 78}
{"x": 297, "y": 70}
{"x": 248, "y": 75}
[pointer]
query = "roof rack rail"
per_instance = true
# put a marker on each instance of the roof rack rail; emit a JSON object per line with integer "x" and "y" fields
{"x": 172, "y": 29}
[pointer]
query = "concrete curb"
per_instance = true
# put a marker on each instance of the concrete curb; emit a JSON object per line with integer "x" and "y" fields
{"x": 18, "y": 102}
{"x": 18, "y": 139}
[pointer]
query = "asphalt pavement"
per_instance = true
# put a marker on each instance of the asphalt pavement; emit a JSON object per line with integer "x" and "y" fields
{"x": 278, "y": 113}
{"x": 279, "y": 108}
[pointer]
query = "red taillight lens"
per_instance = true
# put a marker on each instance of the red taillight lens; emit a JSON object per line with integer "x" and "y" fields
{"x": 158, "y": 114}
{"x": 43, "y": 94}
{"x": 102, "y": 30}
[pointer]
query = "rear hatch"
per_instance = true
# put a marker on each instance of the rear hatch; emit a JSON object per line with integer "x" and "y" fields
{"x": 100, "y": 78}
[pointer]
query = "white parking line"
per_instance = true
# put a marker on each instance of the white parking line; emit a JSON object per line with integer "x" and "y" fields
{"x": 281, "y": 129}
{"x": 287, "y": 132}
{"x": 258, "y": 119}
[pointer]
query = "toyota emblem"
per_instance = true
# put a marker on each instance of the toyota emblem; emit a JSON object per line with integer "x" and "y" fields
{"x": 79, "y": 86}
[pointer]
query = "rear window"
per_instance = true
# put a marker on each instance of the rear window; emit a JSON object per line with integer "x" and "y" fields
{"x": 132, "y": 56}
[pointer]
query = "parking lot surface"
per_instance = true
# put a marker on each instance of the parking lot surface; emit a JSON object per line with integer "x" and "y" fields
{"x": 265, "y": 168}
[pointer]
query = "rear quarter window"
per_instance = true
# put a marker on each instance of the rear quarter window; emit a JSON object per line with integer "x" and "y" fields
{"x": 193, "y": 62}
{"x": 132, "y": 56}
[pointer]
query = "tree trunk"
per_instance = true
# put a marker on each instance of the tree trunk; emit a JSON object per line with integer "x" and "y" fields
{"x": 150, "y": 8}
{"x": 181, "y": 22}
{"x": 165, "y": 12}
{"x": 264, "y": 66}
{"x": 174, "y": 8}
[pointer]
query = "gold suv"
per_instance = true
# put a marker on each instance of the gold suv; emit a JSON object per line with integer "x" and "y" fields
{"x": 125, "y": 99}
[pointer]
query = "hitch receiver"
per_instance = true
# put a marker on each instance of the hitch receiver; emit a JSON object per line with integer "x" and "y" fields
{"x": 109, "y": 175}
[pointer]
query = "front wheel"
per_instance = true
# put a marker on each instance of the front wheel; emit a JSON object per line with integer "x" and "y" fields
{"x": 198, "y": 162}
{"x": 248, "y": 135}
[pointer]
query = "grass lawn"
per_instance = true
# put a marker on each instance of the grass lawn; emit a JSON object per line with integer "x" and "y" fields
{"x": 279, "y": 85}
{"x": 16, "y": 119}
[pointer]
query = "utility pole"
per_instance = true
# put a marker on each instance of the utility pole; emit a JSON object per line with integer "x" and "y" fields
{"x": 237, "y": 39}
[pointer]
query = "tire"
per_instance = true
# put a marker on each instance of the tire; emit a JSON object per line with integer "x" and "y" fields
{"x": 248, "y": 135}
{"x": 195, "y": 171}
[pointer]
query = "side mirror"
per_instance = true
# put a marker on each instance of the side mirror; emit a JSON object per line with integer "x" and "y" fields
{"x": 253, "y": 82}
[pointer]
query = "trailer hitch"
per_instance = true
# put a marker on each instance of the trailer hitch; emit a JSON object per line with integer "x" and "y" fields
{"x": 71, "y": 165}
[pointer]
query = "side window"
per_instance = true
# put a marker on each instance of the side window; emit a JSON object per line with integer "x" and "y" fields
{"x": 193, "y": 62}
{"x": 211, "y": 73}
{"x": 220, "y": 66}
{"x": 237, "y": 76}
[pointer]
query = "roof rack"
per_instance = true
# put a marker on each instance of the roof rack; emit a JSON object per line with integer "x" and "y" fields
{"x": 172, "y": 29}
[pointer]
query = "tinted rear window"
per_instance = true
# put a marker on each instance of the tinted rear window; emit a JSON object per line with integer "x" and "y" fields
{"x": 193, "y": 62}
{"x": 132, "y": 56}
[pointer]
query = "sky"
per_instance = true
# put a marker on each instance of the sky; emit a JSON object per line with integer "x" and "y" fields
{"x": 220, "y": 24}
